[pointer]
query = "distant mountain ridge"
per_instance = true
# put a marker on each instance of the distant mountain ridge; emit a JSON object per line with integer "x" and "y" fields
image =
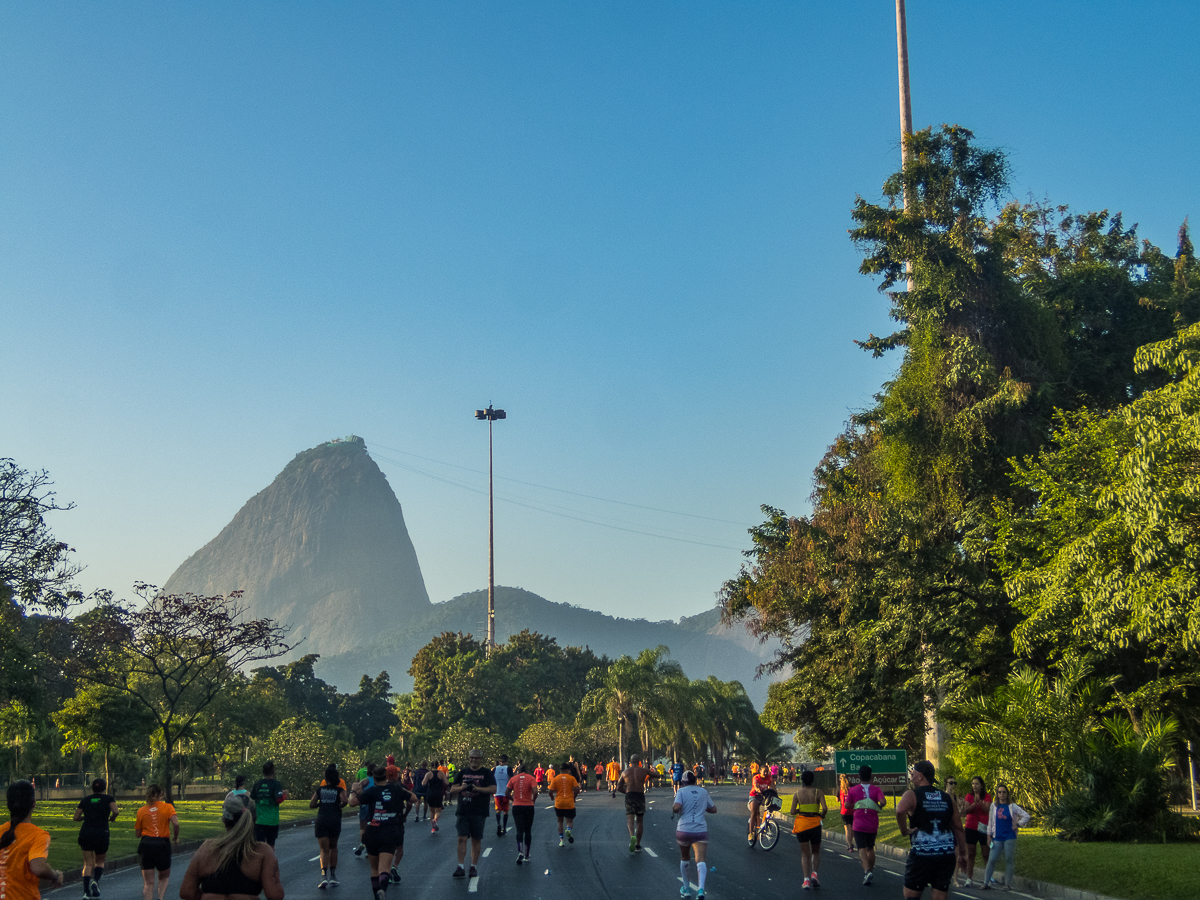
{"x": 699, "y": 643}
{"x": 324, "y": 549}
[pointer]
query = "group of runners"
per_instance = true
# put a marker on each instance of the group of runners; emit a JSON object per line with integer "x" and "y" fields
{"x": 242, "y": 861}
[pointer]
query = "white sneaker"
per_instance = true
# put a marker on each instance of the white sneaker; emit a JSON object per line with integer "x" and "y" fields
{"x": 868, "y": 878}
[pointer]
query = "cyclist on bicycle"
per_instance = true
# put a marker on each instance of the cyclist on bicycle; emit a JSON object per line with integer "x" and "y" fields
{"x": 762, "y": 786}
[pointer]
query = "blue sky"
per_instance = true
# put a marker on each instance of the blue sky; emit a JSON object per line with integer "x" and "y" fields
{"x": 233, "y": 231}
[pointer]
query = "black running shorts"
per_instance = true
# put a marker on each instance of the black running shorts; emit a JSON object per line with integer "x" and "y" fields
{"x": 331, "y": 829}
{"x": 935, "y": 871}
{"x": 267, "y": 833}
{"x": 975, "y": 836}
{"x": 470, "y": 826}
{"x": 93, "y": 840}
{"x": 864, "y": 840}
{"x": 635, "y": 805}
{"x": 382, "y": 840}
{"x": 810, "y": 836}
{"x": 565, "y": 813}
{"x": 154, "y": 853}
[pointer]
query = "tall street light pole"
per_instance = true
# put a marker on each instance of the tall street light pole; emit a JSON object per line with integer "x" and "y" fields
{"x": 491, "y": 415}
{"x": 905, "y": 94}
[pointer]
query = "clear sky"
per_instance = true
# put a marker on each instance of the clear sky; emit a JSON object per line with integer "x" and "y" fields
{"x": 231, "y": 231}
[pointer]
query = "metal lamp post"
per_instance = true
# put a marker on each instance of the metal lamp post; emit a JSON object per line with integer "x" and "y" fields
{"x": 491, "y": 415}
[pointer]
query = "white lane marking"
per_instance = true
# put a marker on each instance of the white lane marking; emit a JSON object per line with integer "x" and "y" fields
{"x": 314, "y": 859}
{"x": 486, "y": 852}
{"x": 651, "y": 852}
{"x": 473, "y": 885}
{"x": 550, "y": 807}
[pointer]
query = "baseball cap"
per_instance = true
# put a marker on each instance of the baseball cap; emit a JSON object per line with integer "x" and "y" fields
{"x": 925, "y": 767}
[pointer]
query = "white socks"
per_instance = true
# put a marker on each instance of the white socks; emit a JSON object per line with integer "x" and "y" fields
{"x": 701, "y": 874}
{"x": 683, "y": 870}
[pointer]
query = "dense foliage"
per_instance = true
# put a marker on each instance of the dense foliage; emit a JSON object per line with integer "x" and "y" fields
{"x": 1018, "y": 506}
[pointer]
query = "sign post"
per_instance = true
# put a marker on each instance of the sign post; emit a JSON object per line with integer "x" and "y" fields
{"x": 889, "y": 768}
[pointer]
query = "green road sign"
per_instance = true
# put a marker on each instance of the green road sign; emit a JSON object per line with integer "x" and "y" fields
{"x": 889, "y": 768}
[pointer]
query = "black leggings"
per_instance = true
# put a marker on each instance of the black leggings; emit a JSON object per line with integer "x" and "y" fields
{"x": 523, "y": 819}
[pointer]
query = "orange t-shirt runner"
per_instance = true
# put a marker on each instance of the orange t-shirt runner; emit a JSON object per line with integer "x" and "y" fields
{"x": 524, "y": 789}
{"x": 17, "y": 881}
{"x": 564, "y": 791}
{"x": 154, "y": 819}
{"x": 614, "y": 771}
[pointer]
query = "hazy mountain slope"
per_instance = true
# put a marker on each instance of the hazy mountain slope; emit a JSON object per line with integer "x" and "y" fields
{"x": 323, "y": 548}
{"x": 699, "y": 643}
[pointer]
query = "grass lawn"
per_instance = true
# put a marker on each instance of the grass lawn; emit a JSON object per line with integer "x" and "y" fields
{"x": 1132, "y": 871}
{"x": 198, "y": 819}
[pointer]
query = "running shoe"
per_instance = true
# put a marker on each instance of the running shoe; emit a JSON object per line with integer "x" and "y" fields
{"x": 434, "y": 829}
{"x": 460, "y": 872}
{"x": 394, "y": 875}
{"x": 632, "y": 843}
{"x": 333, "y": 882}
{"x": 499, "y": 831}
{"x": 95, "y": 891}
{"x": 472, "y": 873}
{"x": 868, "y": 878}
{"x": 570, "y": 837}
{"x": 700, "y": 894}
{"x": 358, "y": 851}
{"x": 520, "y": 858}
{"x": 807, "y": 885}
{"x": 560, "y": 843}
{"x": 638, "y": 848}
{"x": 685, "y": 891}
{"x": 816, "y": 882}
{"x": 381, "y": 895}
{"x": 324, "y": 884}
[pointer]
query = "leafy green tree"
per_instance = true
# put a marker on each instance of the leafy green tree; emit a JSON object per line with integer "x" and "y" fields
{"x": 308, "y": 696}
{"x": 629, "y": 696}
{"x": 301, "y": 750}
{"x": 100, "y": 718}
{"x": 888, "y": 598}
{"x": 34, "y": 566}
{"x": 368, "y": 714}
{"x": 1104, "y": 565}
{"x": 173, "y": 655}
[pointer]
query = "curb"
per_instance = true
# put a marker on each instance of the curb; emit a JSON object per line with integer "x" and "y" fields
{"x": 124, "y": 862}
{"x": 1044, "y": 889}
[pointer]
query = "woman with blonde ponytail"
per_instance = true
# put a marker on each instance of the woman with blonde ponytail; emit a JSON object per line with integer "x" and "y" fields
{"x": 23, "y": 848}
{"x": 234, "y": 866}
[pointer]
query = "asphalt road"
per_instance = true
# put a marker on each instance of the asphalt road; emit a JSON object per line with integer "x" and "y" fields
{"x": 597, "y": 865}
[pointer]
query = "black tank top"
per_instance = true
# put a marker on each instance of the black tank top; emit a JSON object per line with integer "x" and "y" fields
{"x": 933, "y": 820}
{"x": 230, "y": 879}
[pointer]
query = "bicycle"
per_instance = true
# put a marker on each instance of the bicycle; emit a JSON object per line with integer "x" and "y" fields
{"x": 767, "y": 833}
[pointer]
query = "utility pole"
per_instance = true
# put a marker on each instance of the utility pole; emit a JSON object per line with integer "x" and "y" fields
{"x": 905, "y": 93}
{"x": 491, "y": 415}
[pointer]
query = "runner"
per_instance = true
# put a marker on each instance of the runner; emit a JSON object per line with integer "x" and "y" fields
{"x": 676, "y": 776}
{"x": 737, "y": 774}
{"x": 385, "y": 829}
{"x": 930, "y": 817}
{"x": 808, "y": 806}
{"x": 613, "y": 771}
{"x": 95, "y": 812}
{"x": 328, "y": 801}
{"x": 366, "y": 779}
{"x": 435, "y": 792}
{"x": 633, "y": 786}
{"x": 564, "y": 789}
{"x": 501, "y": 774}
{"x": 866, "y": 800}
{"x": 24, "y": 848}
{"x": 691, "y": 832}
{"x": 234, "y": 864}
{"x": 522, "y": 790}
{"x": 599, "y": 773}
{"x": 847, "y": 813}
{"x": 451, "y": 770}
{"x": 239, "y": 788}
{"x": 267, "y": 794}
{"x": 155, "y": 826}
{"x": 419, "y": 788}
{"x": 474, "y": 786}
{"x": 539, "y": 777}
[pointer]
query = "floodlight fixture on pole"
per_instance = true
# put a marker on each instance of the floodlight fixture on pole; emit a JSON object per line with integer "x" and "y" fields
{"x": 491, "y": 415}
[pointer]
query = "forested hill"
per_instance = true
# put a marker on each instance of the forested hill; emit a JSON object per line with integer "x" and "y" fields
{"x": 699, "y": 643}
